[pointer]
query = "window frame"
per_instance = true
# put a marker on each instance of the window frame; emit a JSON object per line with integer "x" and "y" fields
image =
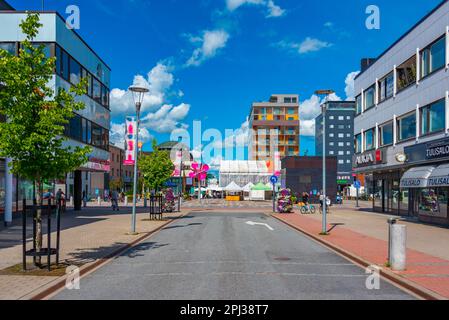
{"x": 421, "y": 112}
{"x": 428, "y": 50}
{"x": 381, "y": 142}
{"x": 411, "y": 114}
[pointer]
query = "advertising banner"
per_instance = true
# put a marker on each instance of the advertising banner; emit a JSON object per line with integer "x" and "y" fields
{"x": 130, "y": 141}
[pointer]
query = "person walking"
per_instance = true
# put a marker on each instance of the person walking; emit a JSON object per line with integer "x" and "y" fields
{"x": 114, "y": 200}
{"x": 84, "y": 199}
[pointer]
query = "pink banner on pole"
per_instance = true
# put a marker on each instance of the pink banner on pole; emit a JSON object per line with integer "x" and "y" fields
{"x": 130, "y": 141}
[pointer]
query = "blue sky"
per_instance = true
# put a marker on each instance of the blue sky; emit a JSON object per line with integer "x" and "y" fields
{"x": 210, "y": 59}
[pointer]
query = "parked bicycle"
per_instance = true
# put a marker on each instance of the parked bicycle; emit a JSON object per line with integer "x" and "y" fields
{"x": 308, "y": 209}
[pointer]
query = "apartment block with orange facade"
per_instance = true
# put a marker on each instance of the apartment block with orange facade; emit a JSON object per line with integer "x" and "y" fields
{"x": 275, "y": 128}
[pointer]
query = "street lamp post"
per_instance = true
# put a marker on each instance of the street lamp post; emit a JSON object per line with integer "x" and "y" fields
{"x": 138, "y": 96}
{"x": 325, "y": 93}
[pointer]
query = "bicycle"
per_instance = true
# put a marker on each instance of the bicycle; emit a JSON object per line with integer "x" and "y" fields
{"x": 306, "y": 209}
{"x": 328, "y": 209}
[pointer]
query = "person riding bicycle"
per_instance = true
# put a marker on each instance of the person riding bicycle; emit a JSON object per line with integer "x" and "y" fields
{"x": 305, "y": 198}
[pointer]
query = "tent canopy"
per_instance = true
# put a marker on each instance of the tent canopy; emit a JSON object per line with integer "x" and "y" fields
{"x": 248, "y": 187}
{"x": 233, "y": 187}
{"x": 261, "y": 187}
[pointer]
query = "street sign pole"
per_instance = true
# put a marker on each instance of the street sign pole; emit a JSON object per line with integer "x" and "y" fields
{"x": 274, "y": 179}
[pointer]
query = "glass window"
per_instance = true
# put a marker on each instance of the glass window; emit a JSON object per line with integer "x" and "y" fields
{"x": 96, "y": 95}
{"x": 64, "y": 65}
{"x": 406, "y": 73}
{"x": 433, "y": 117}
{"x": 369, "y": 140}
{"x": 75, "y": 72}
{"x": 358, "y": 104}
{"x": 386, "y": 134}
{"x": 75, "y": 128}
{"x": 84, "y": 130}
{"x": 89, "y": 132}
{"x": 358, "y": 143}
{"x": 97, "y": 135}
{"x": 9, "y": 47}
{"x": 407, "y": 127}
{"x": 287, "y": 100}
{"x": 58, "y": 62}
{"x": 105, "y": 96}
{"x": 433, "y": 57}
{"x": 369, "y": 98}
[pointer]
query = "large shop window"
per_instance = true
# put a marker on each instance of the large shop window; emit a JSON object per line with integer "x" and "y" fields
{"x": 433, "y": 57}
{"x": 358, "y": 143}
{"x": 433, "y": 117}
{"x": 406, "y": 73}
{"x": 386, "y": 87}
{"x": 358, "y": 104}
{"x": 407, "y": 127}
{"x": 433, "y": 202}
{"x": 369, "y": 139}
{"x": 386, "y": 134}
{"x": 369, "y": 97}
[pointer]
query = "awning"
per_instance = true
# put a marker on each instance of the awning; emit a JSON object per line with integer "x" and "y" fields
{"x": 416, "y": 177}
{"x": 440, "y": 177}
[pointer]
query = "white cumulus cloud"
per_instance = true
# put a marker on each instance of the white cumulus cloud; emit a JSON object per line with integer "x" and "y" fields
{"x": 349, "y": 90}
{"x": 209, "y": 44}
{"x": 159, "y": 80}
{"x": 273, "y": 10}
{"x": 306, "y": 46}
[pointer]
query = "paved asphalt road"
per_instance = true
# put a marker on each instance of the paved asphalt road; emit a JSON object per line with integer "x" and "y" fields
{"x": 219, "y": 256}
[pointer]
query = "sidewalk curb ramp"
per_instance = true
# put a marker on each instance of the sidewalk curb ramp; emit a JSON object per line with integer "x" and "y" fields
{"x": 49, "y": 290}
{"x": 398, "y": 280}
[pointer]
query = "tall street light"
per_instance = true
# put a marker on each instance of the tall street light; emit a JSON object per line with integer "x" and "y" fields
{"x": 326, "y": 94}
{"x": 138, "y": 96}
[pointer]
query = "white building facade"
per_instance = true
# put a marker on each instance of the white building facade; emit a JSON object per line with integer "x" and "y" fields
{"x": 402, "y": 124}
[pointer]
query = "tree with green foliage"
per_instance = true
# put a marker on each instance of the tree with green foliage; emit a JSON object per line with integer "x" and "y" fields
{"x": 156, "y": 168}
{"x": 33, "y": 134}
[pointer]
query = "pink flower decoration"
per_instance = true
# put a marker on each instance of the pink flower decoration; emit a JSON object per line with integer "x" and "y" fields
{"x": 199, "y": 171}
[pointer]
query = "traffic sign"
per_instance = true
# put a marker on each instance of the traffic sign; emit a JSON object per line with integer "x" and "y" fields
{"x": 357, "y": 185}
{"x": 274, "y": 179}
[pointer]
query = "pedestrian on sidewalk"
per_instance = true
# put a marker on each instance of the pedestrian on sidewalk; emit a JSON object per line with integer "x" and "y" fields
{"x": 84, "y": 199}
{"x": 114, "y": 200}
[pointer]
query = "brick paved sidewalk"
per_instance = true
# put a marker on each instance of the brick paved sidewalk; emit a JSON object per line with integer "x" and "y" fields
{"x": 424, "y": 269}
{"x": 87, "y": 236}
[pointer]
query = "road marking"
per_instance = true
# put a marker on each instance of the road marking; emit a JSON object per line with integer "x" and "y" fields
{"x": 259, "y": 224}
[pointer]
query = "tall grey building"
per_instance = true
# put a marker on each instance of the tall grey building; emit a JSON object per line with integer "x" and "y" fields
{"x": 339, "y": 138}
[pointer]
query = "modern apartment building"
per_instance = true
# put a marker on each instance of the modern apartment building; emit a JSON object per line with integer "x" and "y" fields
{"x": 274, "y": 128}
{"x": 339, "y": 138}
{"x": 402, "y": 123}
{"x": 90, "y": 126}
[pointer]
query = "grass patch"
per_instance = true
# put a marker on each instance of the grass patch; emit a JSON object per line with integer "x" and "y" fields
{"x": 55, "y": 270}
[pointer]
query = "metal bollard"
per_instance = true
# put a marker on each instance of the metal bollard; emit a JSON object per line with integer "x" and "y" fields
{"x": 126, "y": 201}
{"x": 390, "y": 221}
{"x": 99, "y": 201}
{"x": 398, "y": 247}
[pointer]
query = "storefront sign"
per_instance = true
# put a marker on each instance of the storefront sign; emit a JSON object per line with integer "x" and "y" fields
{"x": 439, "y": 181}
{"x": 98, "y": 165}
{"x": 427, "y": 151}
{"x": 413, "y": 183}
{"x": 368, "y": 158}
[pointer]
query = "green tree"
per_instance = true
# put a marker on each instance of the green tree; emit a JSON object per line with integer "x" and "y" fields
{"x": 33, "y": 135}
{"x": 156, "y": 168}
